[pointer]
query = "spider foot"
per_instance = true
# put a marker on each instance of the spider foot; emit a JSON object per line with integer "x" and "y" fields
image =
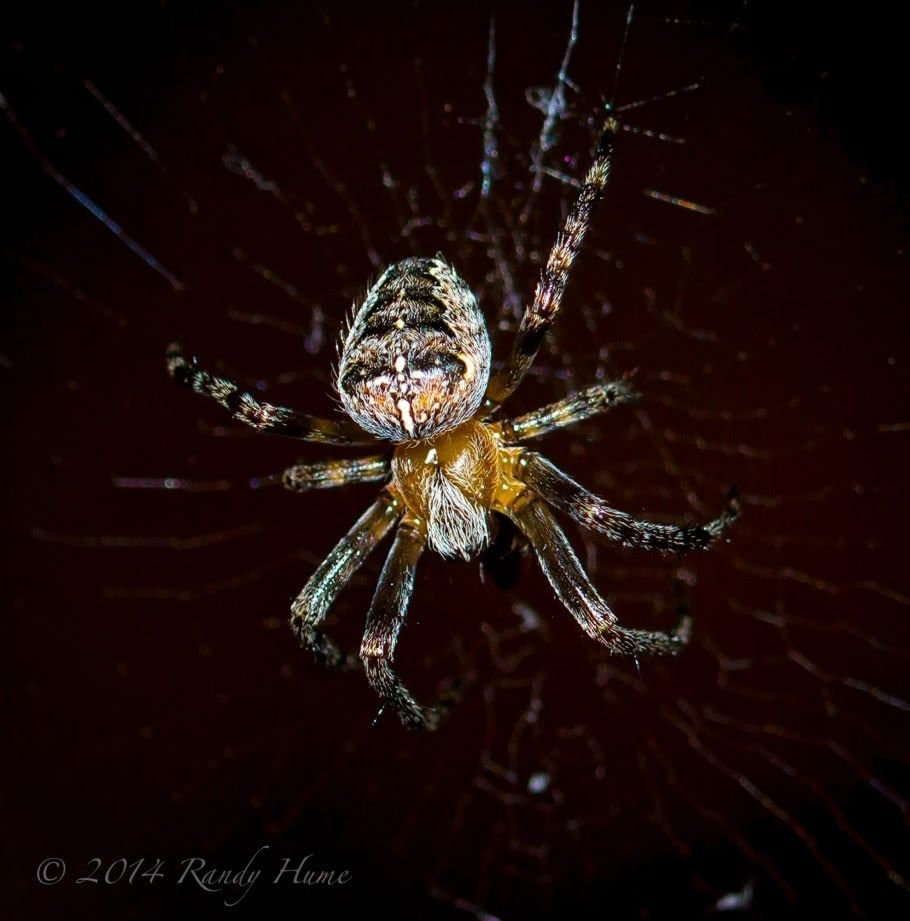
{"x": 426, "y": 719}
{"x": 730, "y": 513}
{"x": 414, "y": 716}
{"x": 631, "y": 642}
{"x": 701, "y": 536}
{"x": 323, "y": 650}
{"x": 177, "y": 365}
{"x": 652, "y": 642}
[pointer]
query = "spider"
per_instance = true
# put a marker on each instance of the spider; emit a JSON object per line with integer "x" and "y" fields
{"x": 415, "y": 370}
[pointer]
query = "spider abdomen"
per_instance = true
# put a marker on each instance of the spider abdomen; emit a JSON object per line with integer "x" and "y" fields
{"x": 416, "y": 360}
{"x": 448, "y": 483}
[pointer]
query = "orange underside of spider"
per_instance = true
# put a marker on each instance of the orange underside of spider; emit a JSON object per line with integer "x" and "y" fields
{"x": 472, "y": 457}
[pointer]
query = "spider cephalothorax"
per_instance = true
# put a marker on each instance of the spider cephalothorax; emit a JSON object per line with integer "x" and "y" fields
{"x": 415, "y": 371}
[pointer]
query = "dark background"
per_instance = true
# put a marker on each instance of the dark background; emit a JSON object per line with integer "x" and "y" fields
{"x": 264, "y": 164}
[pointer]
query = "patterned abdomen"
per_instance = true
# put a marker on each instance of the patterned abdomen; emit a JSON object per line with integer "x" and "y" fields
{"x": 416, "y": 359}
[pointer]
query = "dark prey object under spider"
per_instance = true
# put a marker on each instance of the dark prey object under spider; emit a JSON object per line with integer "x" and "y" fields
{"x": 415, "y": 371}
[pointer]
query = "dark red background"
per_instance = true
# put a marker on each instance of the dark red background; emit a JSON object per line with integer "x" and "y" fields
{"x": 155, "y": 703}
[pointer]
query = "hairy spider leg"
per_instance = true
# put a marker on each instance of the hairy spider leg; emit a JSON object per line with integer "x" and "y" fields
{"x": 561, "y": 491}
{"x": 572, "y": 409}
{"x": 311, "y": 606}
{"x": 326, "y": 474}
{"x": 576, "y": 592}
{"x": 276, "y": 420}
{"x": 541, "y": 314}
{"x": 384, "y": 622}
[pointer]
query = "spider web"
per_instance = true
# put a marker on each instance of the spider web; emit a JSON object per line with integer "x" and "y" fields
{"x": 234, "y": 179}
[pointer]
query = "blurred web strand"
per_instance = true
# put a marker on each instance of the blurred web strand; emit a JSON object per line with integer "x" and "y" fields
{"x": 555, "y": 109}
{"x": 630, "y": 12}
{"x": 650, "y": 100}
{"x": 206, "y": 589}
{"x": 314, "y": 340}
{"x": 142, "y": 143}
{"x": 511, "y": 300}
{"x": 406, "y": 212}
{"x": 682, "y": 791}
{"x": 489, "y": 163}
{"x": 70, "y": 287}
{"x": 334, "y": 183}
{"x": 182, "y": 484}
{"x": 85, "y": 201}
{"x": 553, "y": 106}
{"x": 235, "y": 162}
{"x": 262, "y": 319}
{"x": 650, "y": 133}
{"x": 678, "y": 202}
{"x": 131, "y": 542}
{"x": 860, "y": 841}
{"x": 659, "y": 97}
{"x": 784, "y": 621}
{"x": 786, "y": 818}
{"x": 873, "y": 782}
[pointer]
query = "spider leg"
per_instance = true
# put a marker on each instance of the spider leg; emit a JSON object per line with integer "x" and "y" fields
{"x": 560, "y": 490}
{"x": 311, "y": 606}
{"x": 572, "y": 409}
{"x": 541, "y": 314}
{"x": 384, "y": 622}
{"x": 322, "y": 475}
{"x": 574, "y": 589}
{"x": 277, "y": 420}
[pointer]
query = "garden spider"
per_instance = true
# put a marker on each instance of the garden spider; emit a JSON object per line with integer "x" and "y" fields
{"x": 415, "y": 371}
